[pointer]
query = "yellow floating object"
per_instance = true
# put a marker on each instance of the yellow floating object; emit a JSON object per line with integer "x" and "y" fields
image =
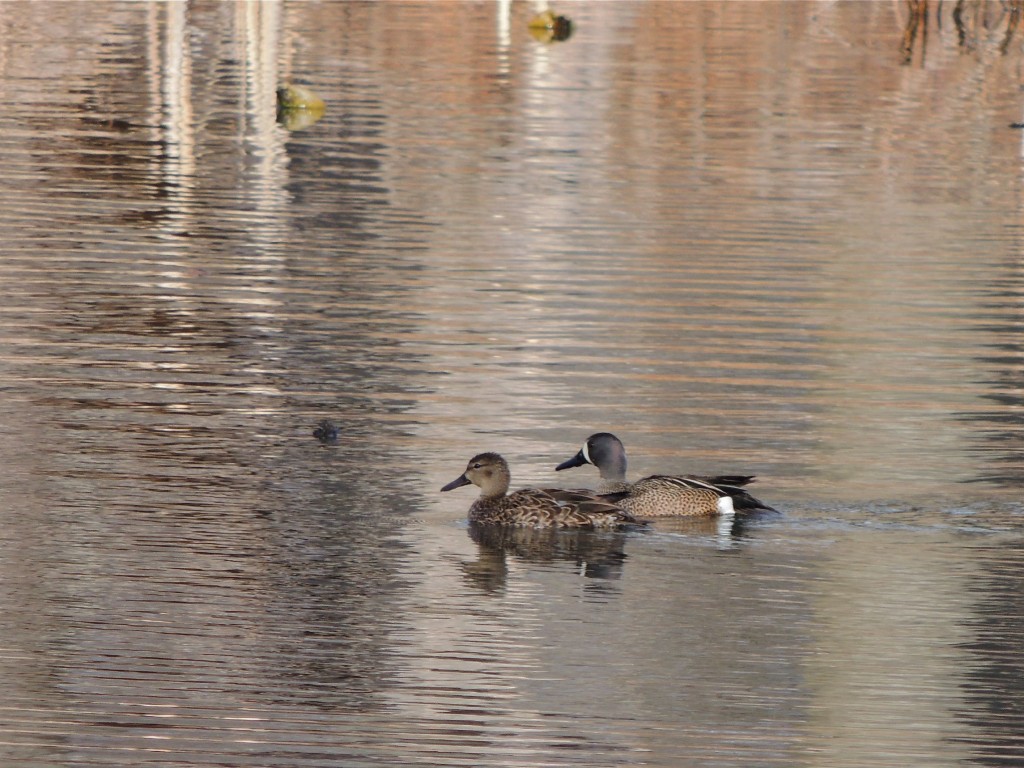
{"x": 298, "y": 107}
{"x": 297, "y": 97}
{"x": 549, "y": 26}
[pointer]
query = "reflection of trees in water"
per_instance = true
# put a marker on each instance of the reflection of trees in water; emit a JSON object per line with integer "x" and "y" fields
{"x": 994, "y": 687}
{"x": 1002, "y": 438}
{"x": 595, "y": 554}
{"x": 331, "y": 604}
{"x": 1006, "y": 438}
{"x": 975, "y": 21}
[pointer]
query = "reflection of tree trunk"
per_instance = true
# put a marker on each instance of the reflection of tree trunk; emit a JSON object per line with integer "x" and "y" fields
{"x": 918, "y": 20}
{"x": 958, "y": 21}
{"x": 985, "y": 17}
{"x": 1014, "y": 7}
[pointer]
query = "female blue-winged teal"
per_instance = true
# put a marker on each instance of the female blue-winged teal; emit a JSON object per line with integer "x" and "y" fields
{"x": 662, "y": 495}
{"x": 535, "y": 507}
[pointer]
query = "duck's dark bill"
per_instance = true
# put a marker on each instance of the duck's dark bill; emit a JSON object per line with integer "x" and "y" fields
{"x": 576, "y": 461}
{"x": 458, "y": 482}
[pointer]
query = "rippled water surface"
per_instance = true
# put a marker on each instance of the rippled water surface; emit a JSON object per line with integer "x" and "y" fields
{"x": 782, "y": 239}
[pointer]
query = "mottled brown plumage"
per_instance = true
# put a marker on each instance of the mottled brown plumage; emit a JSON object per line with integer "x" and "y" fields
{"x": 533, "y": 507}
{"x": 662, "y": 495}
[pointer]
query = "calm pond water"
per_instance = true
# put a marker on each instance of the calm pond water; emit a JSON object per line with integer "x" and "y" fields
{"x": 782, "y": 239}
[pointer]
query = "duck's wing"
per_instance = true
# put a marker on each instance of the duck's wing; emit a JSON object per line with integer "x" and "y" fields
{"x": 606, "y": 514}
{"x": 531, "y": 507}
{"x": 580, "y": 495}
{"x": 568, "y": 495}
{"x": 681, "y": 482}
{"x": 733, "y": 481}
{"x": 581, "y": 508}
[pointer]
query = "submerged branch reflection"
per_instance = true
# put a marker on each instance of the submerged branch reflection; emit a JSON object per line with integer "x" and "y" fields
{"x": 977, "y": 23}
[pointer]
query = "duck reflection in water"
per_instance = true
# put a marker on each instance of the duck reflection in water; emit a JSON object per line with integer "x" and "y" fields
{"x": 728, "y": 531}
{"x": 594, "y": 554}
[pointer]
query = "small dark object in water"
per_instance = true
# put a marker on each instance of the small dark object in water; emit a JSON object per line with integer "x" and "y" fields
{"x": 1017, "y": 125}
{"x": 326, "y": 432}
{"x": 562, "y": 28}
{"x": 114, "y": 123}
{"x": 550, "y": 27}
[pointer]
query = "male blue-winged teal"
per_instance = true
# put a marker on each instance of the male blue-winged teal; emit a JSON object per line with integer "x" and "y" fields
{"x": 534, "y": 507}
{"x": 662, "y": 495}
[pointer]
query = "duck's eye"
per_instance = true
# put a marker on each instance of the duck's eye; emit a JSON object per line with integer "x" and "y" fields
{"x": 477, "y": 465}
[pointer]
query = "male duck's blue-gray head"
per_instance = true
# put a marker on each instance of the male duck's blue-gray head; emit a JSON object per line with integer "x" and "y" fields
{"x": 605, "y": 451}
{"x": 489, "y": 471}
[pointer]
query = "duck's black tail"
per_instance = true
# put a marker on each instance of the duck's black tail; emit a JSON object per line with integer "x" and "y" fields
{"x": 744, "y": 502}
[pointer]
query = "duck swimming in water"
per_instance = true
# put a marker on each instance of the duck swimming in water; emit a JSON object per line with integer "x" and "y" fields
{"x": 533, "y": 507}
{"x": 663, "y": 495}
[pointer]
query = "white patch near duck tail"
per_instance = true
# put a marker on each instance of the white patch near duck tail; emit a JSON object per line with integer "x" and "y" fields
{"x": 586, "y": 453}
{"x": 725, "y": 506}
